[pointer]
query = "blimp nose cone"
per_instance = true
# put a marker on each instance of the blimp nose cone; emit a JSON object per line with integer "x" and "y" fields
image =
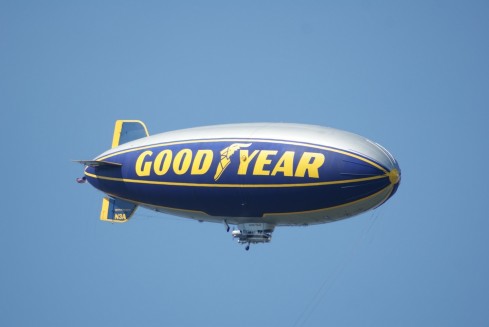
{"x": 395, "y": 176}
{"x": 391, "y": 166}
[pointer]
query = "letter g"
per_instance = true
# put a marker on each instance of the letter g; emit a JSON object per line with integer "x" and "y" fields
{"x": 143, "y": 170}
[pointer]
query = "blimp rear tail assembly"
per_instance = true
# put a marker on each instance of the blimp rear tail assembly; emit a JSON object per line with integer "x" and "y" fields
{"x": 254, "y": 176}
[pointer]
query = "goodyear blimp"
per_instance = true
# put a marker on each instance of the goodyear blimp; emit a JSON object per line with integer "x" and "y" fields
{"x": 254, "y": 176}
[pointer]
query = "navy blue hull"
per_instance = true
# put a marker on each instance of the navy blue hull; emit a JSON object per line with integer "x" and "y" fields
{"x": 240, "y": 178}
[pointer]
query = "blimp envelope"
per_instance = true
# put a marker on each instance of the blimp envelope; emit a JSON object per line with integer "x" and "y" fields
{"x": 256, "y": 176}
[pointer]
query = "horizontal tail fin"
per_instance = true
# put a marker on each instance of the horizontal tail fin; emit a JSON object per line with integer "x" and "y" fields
{"x": 98, "y": 163}
{"x": 127, "y": 131}
{"x": 116, "y": 210}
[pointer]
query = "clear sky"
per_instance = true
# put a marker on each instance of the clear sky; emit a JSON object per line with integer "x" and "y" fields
{"x": 410, "y": 75}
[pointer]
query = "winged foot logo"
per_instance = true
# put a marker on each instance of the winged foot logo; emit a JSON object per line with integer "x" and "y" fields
{"x": 257, "y": 162}
{"x": 226, "y": 157}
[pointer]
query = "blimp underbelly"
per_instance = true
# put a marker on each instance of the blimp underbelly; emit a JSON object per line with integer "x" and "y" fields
{"x": 300, "y": 218}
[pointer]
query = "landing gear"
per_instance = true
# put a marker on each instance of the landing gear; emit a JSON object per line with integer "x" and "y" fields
{"x": 247, "y": 247}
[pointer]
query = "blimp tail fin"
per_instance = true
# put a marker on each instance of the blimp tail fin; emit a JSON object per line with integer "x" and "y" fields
{"x": 98, "y": 163}
{"x": 116, "y": 210}
{"x": 127, "y": 131}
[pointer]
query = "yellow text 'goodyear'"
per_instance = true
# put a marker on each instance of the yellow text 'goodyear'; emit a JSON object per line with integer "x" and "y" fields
{"x": 256, "y": 162}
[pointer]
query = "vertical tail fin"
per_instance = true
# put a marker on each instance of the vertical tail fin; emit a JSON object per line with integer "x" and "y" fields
{"x": 128, "y": 130}
{"x": 113, "y": 209}
{"x": 116, "y": 210}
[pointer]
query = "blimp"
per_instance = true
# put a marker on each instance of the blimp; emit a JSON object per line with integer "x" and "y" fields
{"x": 251, "y": 176}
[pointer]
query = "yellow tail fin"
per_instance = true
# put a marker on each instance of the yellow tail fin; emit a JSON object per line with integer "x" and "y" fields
{"x": 116, "y": 210}
{"x": 128, "y": 130}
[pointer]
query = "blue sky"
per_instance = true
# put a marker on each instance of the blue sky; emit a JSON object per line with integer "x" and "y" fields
{"x": 413, "y": 76}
